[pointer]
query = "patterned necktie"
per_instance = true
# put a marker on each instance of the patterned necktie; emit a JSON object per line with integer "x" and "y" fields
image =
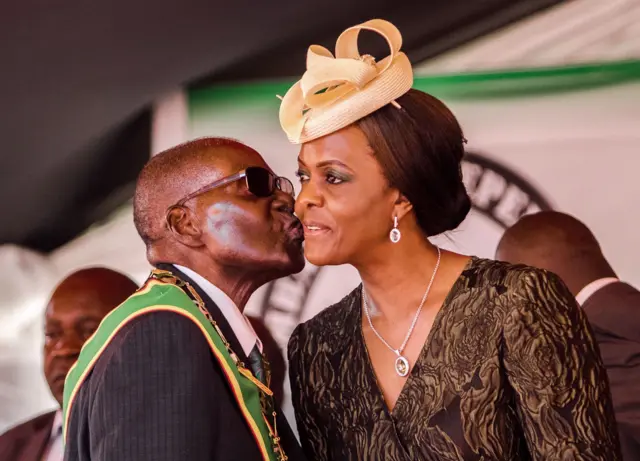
{"x": 259, "y": 365}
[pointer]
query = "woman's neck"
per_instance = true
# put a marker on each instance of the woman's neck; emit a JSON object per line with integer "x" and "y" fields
{"x": 396, "y": 276}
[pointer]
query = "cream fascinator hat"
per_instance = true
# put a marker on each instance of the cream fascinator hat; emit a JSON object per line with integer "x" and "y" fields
{"x": 337, "y": 91}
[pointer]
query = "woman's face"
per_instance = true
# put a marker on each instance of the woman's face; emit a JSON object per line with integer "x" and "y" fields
{"x": 345, "y": 205}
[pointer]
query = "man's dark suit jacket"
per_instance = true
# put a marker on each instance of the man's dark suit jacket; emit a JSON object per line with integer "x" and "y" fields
{"x": 614, "y": 313}
{"x": 29, "y": 440}
{"x": 157, "y": 393}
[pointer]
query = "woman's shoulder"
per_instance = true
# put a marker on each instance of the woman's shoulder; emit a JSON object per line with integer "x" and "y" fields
{"x": 332, "y": 324}
{"x": 517, "y": 279}
{"x": 518, "y": 292}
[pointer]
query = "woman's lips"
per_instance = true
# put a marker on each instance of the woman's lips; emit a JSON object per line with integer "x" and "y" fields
{"x": 314, "y": 229}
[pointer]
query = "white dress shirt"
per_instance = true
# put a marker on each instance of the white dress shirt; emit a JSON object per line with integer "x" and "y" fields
{"x": 54, "y": 451}
{"x": 238, "y": 322}
{"x": 594, "y": 286}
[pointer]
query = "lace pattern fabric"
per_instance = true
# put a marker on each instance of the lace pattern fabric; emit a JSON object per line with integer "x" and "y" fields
{"x": 511, "y": 372}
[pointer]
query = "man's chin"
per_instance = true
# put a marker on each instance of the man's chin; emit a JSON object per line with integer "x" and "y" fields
{"x": 296, "y": 260}
{"x": 56, "y": 386}
{"x": 58, "y": 395}
{"x": 298, "y": 265}
{"x": 288, "y": 260}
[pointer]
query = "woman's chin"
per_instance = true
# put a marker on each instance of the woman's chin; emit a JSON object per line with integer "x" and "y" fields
{"x": 318, "y": 256}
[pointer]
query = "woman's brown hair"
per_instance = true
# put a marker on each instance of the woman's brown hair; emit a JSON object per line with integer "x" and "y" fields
{"x": 420, "y": 148}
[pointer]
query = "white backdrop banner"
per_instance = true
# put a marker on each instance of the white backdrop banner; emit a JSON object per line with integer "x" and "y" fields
{"x": 24, "y": 289}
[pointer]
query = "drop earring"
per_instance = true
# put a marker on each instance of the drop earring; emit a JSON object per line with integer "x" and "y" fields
{"x": 395, "y": 234}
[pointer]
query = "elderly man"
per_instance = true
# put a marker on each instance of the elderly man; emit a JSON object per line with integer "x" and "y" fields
{"x": 562, "y": 244}
{"x": 76, "y": 308}
{"x": 177, "y": 373}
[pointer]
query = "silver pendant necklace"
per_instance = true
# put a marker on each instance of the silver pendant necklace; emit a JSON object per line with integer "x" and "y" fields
{"x": 402, "y": 364}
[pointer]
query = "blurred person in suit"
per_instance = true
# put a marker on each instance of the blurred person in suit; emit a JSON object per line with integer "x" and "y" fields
{"x": 76, "y": 308}
{"x": 564, "y": 245}
{"x": 178, "y": 372}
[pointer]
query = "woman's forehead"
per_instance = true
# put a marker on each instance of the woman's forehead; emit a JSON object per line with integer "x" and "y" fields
{"x": 348, "y": 146}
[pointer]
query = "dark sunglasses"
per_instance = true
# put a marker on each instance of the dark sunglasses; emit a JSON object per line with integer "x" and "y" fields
{"x": 260, "y": 182}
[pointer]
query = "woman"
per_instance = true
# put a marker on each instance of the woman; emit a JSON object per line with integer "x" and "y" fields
{"x": 436, "y": 356}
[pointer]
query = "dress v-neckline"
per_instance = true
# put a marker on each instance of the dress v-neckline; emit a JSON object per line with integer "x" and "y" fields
{"x": 371, "y": 372}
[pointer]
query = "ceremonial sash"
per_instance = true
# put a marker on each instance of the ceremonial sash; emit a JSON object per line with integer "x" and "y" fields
{"x": 159, "y": 296}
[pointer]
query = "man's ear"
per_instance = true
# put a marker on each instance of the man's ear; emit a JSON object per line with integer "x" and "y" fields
{"x": 184, "y": 226}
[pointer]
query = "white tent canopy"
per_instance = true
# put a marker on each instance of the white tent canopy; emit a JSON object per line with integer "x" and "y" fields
{"x": 576, "y": 32}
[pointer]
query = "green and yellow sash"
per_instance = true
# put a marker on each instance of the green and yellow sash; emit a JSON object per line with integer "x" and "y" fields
{"x": 163, "y": 292}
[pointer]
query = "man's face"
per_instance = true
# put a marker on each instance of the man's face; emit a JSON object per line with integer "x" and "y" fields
{"x": 72, "y": 316}
{"x": 245, "y": 231}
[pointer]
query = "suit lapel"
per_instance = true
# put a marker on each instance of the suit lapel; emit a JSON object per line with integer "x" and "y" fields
{"x": 37, "y": 443}
{"x": 290, "y": 442}
{"x": 213, "y": 309}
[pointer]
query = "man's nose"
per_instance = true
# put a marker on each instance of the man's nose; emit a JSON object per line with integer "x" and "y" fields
{"x": 68, "y": 346}
{"x": 283, "y": 201}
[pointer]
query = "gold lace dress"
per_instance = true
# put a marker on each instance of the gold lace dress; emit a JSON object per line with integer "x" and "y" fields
{"x": 510, "y": 371}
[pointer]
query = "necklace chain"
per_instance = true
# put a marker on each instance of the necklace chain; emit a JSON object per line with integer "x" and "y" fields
{"x": 398, "y": 352}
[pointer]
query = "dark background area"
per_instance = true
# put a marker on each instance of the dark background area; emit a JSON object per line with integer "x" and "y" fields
{"x": 78, "y": 80}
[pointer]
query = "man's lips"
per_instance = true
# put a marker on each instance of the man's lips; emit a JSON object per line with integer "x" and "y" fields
{"x": 294, "y": 230}
{"x": 60, "y": 367}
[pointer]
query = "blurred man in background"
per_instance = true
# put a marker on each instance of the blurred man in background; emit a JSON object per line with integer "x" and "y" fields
{"x": 562, "y": 244}
{"x": 76, "y": 308}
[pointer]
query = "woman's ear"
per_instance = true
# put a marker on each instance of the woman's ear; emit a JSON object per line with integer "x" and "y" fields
{"x": 402, "y": 207}
{"x": 184, "y": 226}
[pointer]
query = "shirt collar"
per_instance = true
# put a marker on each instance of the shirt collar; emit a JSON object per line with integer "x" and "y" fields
{"x": 56, "y": 429}
{"x": 592, "y": 287}
{"x": 238, "y": 322}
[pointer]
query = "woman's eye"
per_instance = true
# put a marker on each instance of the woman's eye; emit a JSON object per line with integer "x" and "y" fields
{"x": 302, "y": 176}
{"x": 332, "y": 179}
